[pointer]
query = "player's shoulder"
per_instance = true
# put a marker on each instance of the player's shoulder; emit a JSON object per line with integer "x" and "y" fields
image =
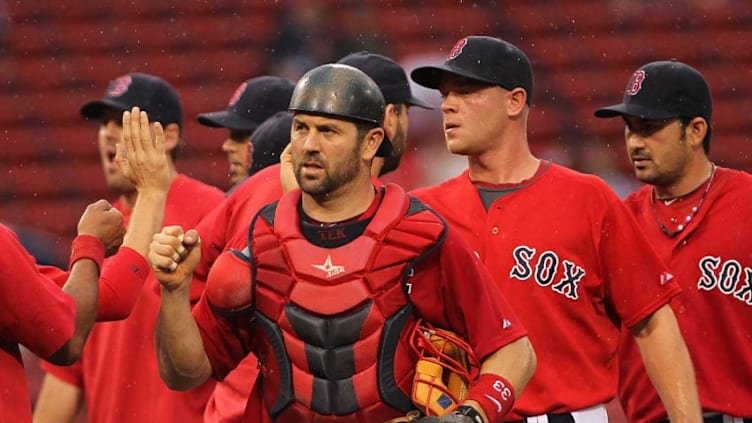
{"x": 638, "y": 200}
{"x": 197, "y": 188}
{"x": 442, "y": 190}
{"x": 737, "y": 184}
{"x": 7, "y": 233}
{"x": 564, "y": 177}
{"x": 266, "y": 178}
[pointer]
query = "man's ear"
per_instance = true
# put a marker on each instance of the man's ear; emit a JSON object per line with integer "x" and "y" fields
{"x": 695, "y": 131}
{"x": 371, "y": 143}
{"x": 517, "y": 100}
{"x": 172, "y": 137}
{"x": 390, "y": 117}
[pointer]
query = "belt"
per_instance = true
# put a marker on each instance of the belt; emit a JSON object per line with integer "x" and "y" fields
{"x": 594, "y": 414}
{"x": 553, "y": 418}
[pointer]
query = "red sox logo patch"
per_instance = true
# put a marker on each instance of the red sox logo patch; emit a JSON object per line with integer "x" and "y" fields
{"x": 120, "y": 86}
{"x": 635, "y": 84}
{"x": 236, "y": 95}
{"x": 457, "y": 49}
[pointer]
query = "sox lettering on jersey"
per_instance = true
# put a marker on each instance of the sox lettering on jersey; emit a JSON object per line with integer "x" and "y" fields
{"x": 544, "y": 270}
{"x": 730, "y": 277}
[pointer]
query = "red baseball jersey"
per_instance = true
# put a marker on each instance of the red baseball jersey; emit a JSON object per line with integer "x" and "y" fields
{"x": 35, "y": 313}
{"x": 450, "y": 288}
{"x": 712, "y": 259}
{"x": 227, "y": 225}
{"x": 572, "y": 262}
{"x": 118, "y": 370}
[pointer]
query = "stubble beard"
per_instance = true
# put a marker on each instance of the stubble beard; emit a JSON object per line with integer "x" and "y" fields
{"x": 331, "y": 181}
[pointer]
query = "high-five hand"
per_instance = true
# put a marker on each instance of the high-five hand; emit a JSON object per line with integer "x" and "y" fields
{"x": 141, "y": 156}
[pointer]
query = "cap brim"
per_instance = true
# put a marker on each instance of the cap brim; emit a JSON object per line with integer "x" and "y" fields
{"x": 227, "y": 120}
{"x": 413, "y": 101}
{"x": 95, "y": 109}
{"x": 430, "y": 76}
{"x": 632, "y": 110}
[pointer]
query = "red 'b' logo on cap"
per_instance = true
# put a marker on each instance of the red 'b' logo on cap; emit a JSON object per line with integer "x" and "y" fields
{"x": 236, "y": 95}
{"x": 635, "y": 84}
{"x": 457, "y": 49}
{"x": 120, "y": 86}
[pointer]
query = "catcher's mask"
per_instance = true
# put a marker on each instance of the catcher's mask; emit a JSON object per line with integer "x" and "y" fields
{"x": 445, "y": 368}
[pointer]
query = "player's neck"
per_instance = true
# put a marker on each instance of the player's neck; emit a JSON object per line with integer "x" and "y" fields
{"x": 508, "y": 164}
{"x": 344, "y": 203}
{"x": 376, "y": 165}
{"x": 696, "y": 175}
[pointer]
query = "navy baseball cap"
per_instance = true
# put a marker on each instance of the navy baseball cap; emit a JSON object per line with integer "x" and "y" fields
{"x": 388, "y": 75}
{"x": 485, "y": 59}
{"x": 253, "y": 102}
{"x": 152, "y": 94}
{"x": 663, "y": 90}
{"x": 269, "y": 139}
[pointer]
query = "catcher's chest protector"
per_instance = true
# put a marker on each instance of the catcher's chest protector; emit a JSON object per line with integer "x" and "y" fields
{"x": 332, "y": 342}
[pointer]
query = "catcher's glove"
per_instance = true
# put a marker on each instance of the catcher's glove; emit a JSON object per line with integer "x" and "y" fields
{"x": 446, "y": 365}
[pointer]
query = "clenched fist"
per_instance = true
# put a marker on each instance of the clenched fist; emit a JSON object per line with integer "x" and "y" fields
{"x": 103, "y": 221}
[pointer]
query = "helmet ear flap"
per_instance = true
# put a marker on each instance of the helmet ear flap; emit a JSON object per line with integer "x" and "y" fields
{"x": 445, "y": 368}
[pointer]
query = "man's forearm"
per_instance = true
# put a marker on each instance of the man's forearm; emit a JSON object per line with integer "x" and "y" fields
{"x": 669, "y": 366}
{"x": 182, "y": 359}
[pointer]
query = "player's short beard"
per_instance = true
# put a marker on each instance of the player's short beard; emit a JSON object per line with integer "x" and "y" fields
{"x": 392, "y": 162}
{"x": 668, "y": 175}
{"x": 333, "y": 180}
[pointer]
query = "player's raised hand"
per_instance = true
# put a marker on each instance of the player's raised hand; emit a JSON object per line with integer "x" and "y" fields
{"x": 286, "y": 170}
{"x": 141, "y": 156}
{"x": 103, "y": 221}
{"x": 174, "y": 254}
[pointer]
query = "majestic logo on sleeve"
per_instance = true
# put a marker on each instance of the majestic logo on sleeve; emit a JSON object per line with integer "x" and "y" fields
{"x": 729, "y": 277}
{"x": 635, "y": 83}
{"x": 547, "y": 270}
{"x": 330, "y": 269}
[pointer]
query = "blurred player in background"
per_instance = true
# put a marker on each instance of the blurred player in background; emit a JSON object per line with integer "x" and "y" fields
{"x": 254, "y": 101}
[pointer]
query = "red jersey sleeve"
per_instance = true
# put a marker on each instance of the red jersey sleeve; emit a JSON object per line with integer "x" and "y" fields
{"x": 120, "y": 283}
{"x": 34, "y": 311}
